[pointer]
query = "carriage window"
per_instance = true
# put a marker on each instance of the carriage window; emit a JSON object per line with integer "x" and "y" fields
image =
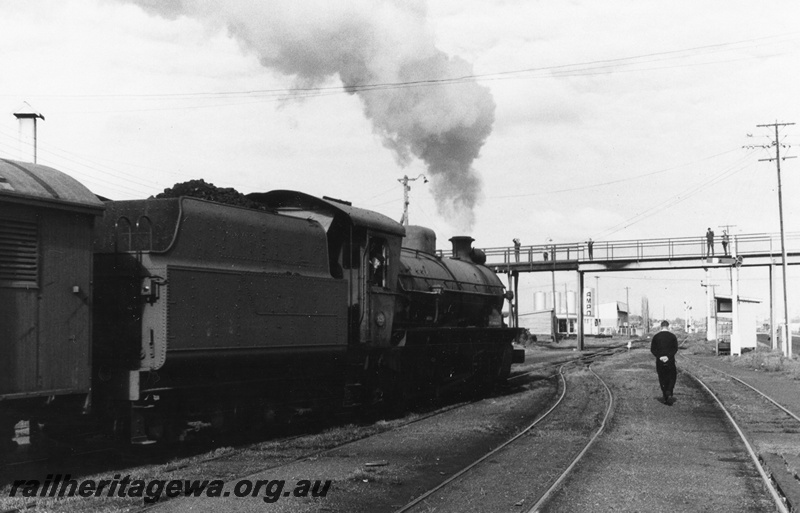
{"x": 377, "y": 261}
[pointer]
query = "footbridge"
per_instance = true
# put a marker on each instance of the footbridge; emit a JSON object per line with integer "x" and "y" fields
{"x": 748, "y": 250}
{"x": 645, "y": 254}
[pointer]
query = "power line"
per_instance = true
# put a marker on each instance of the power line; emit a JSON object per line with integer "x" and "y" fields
{"x": 670, "y": 202}
{"x": 592, "y": 67}
{"x": 612, "y": 182}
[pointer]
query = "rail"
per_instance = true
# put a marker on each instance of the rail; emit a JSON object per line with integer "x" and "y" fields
{"x": 645, "y": 249}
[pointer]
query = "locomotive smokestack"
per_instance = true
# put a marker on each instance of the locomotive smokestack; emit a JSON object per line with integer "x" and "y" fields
{"x": 462, "y": 247}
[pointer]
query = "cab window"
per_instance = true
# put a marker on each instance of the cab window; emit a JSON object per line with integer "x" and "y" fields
{"x": 377, "y": 261}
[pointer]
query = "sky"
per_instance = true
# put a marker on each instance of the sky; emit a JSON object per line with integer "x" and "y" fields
{"x": 567, "y": 120}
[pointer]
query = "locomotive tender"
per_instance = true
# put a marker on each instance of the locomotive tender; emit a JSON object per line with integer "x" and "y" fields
{"x": 149, "y": 313}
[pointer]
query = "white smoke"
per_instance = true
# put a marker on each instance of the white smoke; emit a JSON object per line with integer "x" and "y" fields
{"x": 371, "y": 42}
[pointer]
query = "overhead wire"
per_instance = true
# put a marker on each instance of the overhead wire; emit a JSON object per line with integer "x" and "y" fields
{"x": 590, "y": 67}
{"x": 612, "y": 182}
{"x": 48, "y": 157}
{"x": 663, "y": 206}
{"x": 107, "y": 176}
{"x": 672, "y": 201}
{"x": 586, "y": 67}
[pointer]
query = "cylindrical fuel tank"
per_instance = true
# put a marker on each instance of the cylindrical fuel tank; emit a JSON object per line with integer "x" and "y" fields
{"x": 447, "y": 291}
{"x": 539, "y": 302}
{"x": 556, "y": 302}
{"x": 571, "y": 302}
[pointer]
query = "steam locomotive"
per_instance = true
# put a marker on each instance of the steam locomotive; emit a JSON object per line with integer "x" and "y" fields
{"x": 145, "y": 314}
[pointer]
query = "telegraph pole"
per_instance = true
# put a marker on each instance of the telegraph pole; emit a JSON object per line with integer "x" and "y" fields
{"x": 554, "y": 318}
{"x": 787, "y": 350}
{"x": 597, "y": 302}
{"x": 406, "y": 188}
{"x": 628, "y": 306}
{"x": 686, "y": 308}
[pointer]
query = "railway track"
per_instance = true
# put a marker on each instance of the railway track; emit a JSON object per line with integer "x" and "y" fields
{"x": 776, "y": 496}
{"x": 546, "y": 495}
{"x": 585, "y": 357}
{"x": 520, "y": 377}
{"x": 686, "y": 444}
{"x": 752, "y": 388}
{"x": 237, "y": 463}
{"x": 72, "y": 455}
{"x": 594, "y": 410}
{"x": 458, "y": 493}
{"x": 529, "y": 440}
{"x": 227, "y": 461}
{"x": 769, "y": 428}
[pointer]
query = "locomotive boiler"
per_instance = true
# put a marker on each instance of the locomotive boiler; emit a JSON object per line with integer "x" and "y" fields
{"x": 449, "y": 317}
{"x": 185, "y": 309}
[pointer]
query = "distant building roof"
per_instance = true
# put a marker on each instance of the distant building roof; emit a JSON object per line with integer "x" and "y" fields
{"x": 618, "y": 305}
{"x": 741, "y": 299}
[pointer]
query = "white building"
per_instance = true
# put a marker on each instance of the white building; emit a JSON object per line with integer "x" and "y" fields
{"x": 613, "y": 318}
{"x": 747, "y": 324}
{"x": 604, "y": 319}
{"x": 564, "y": 315}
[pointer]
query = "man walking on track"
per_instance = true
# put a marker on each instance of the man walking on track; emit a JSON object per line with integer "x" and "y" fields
{"x": 664, "y": 347}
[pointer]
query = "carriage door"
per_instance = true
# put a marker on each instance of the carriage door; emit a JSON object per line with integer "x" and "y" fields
{"x": 64, "y": 303}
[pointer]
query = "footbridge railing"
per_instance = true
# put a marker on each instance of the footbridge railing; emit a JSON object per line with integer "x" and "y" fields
{"x": 643, "y": 249}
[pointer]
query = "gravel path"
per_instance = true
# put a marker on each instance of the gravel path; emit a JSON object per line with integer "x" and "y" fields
{"x": 654, "y": 457}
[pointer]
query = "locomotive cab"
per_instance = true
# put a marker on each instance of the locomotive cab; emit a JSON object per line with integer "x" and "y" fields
{"x": 364, "y": 250}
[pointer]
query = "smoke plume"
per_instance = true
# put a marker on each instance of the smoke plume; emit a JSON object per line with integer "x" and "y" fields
{"x": 368, "y": 43}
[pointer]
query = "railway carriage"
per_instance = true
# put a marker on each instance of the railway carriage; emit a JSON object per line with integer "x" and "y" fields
{"x": 46, "y": 222}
